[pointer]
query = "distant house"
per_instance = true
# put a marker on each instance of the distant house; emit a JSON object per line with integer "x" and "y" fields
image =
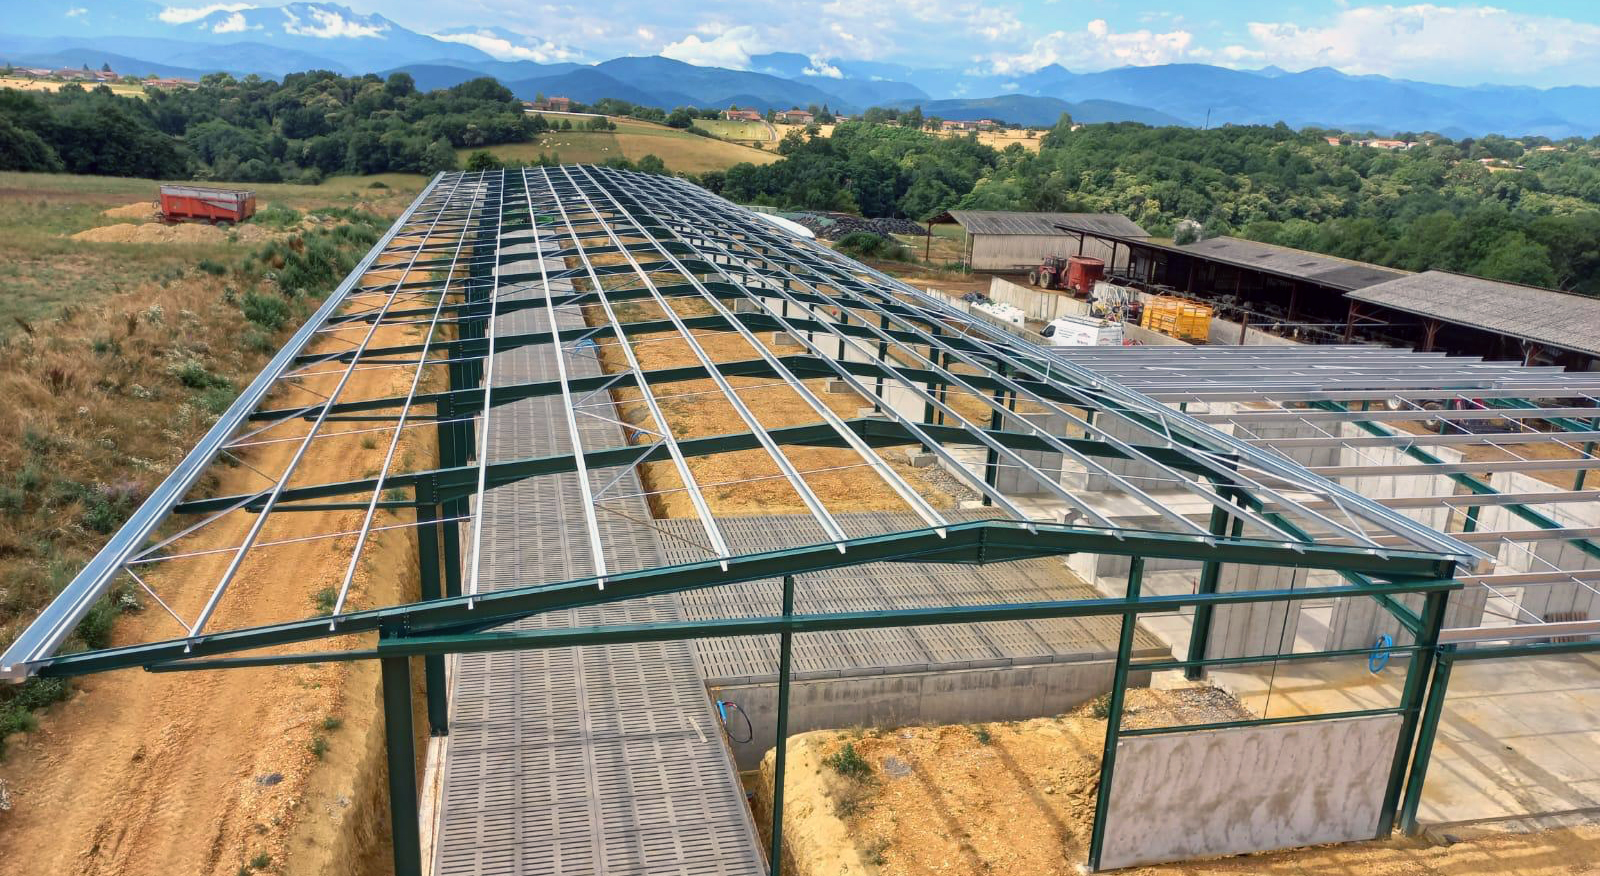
{"x": 795, "y": 117}
{"x": 170, "y": 83}
{"x": 987, "y": 124}
{"x": 552, "y": 104}
{"x": 739, "y": 115}
{"x": 957, "y": 125}
{"x": 1393, "y": 145}
{"x": 1332, "y": 141}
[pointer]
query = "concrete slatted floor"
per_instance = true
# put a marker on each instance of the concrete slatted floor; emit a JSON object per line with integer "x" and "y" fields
{"x": 580, "y": 760}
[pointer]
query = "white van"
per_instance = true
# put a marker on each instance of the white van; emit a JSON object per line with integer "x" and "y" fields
{"x": 1083, "y": 331}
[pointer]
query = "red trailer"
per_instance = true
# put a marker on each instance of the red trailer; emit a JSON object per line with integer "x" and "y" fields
{"x": 213, "y": 206}
{"x": 1083, "y": 271}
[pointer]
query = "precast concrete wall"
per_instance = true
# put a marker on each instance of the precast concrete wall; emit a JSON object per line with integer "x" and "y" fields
{"x": 1006, "y": 693}
{"x": 1357, "y": 623}
{"x": 1544, "y": 600}
{"x": 1247, "y": 630}
{"x": 1039, "y": 304}
{"x": 1201, "y": 794}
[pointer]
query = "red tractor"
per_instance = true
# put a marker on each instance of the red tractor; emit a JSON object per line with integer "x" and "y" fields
{"x": 1052, "y": 274}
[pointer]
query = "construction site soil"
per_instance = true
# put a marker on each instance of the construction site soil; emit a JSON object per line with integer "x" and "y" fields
{"x": 1019, "y": 798}
{"x": 215, "y": 772}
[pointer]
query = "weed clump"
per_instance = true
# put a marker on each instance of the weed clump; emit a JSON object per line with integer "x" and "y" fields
{"x": 849, "y": 763}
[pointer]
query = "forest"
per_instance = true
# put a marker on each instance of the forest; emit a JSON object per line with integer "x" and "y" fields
{"x": 1532, "y": 218}
{"x": 302, "y": 129}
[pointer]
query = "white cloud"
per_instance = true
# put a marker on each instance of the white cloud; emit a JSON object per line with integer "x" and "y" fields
{"x": 1426, "y": 39}
{"x": 819, "y": 67}
{"x": 234, "y": 23}
{"x": 329, "y": 24}
{"x": 1098, "y": 47}
{"x": 502, "y": 47}
{"x": 77, "y": 12}
{"x": 730, "y": 48}
{"x": 184, "y": 15}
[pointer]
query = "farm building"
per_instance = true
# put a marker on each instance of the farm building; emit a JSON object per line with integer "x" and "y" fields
{"x": 1011, "y": 242}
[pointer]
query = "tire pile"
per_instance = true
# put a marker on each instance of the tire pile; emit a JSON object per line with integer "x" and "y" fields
{"x": 836, "y": 227}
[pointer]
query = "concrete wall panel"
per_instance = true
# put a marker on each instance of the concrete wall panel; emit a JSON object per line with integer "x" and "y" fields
{"x": 1181, "y": 796}
{"x": 1006, "y": 693}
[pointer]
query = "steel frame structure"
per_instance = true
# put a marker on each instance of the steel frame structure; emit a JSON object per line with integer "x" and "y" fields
{"x": 477, "y": 247}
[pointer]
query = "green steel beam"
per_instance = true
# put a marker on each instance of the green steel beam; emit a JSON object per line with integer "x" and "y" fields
{"x": 781, "y": 745}
{"x": 973, "y": 542}
{"x": 1210, "y": 575}
{"x": 452, "y": 482}
{"x": 1476, "y": 485}
{"x": 1427, "y": 734}
{"x": 402, "y": 755}
{"x": 1119, "y": 687}
{"x": 805, "y": 365}
{"x": 428, "y": 567}
{"x": 422, "y": 644}
{"x": 1417, "y": 674}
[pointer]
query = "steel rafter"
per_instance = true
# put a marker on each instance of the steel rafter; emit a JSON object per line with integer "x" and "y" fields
{"x": 603, "y": 237}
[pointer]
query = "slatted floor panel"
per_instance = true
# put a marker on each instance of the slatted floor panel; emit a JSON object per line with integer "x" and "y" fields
{"x": 595, "y": 760}
{"x": 881, "y": 586}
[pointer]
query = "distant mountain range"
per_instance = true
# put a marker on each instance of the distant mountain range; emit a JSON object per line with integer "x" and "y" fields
{"x": 140, "y": 36}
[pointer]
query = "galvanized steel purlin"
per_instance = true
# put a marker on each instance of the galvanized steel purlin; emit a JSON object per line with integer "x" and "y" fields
{"x": 649, "y": 238}
{"x": 680, "y": 464}
{"x": 480, "y": 188}
{"x": 907, "y": 493}
{"x": 1027, "y": 361}
{"x": 61, "y": 616}
{"x": 773, "y": 240}
{"x": 796, "y": 480}
{"x": 294, "y": 461}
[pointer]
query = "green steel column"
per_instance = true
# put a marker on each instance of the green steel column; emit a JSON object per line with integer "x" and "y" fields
{"x": 1210, "y": 573}
{"x": 1429, "y": 731}
{"x": 991, "y": 459}
{"x": 780, "y": 754}
{"x": 1588, "y": 450}
{"x": 1119, "y": 681}
{"x": 450, "y": 535}
{"x": 428, "y": 564}
{"x": 402, "y": 766}
{"x": 883, "y": 359}
{"x": 1411, "y": 705}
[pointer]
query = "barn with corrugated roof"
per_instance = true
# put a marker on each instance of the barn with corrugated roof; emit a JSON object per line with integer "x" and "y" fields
{"x": 1004, "y": 242}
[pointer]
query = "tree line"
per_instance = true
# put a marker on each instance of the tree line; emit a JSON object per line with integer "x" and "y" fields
{"x": 302, "y": 129}
{"x": 1524, "y": 211}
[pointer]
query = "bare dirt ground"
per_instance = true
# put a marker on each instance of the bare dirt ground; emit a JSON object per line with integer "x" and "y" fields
{"x": 216, "y": 772}
{"x": 1018, "y": 798}
{"x": 748, "y": 481}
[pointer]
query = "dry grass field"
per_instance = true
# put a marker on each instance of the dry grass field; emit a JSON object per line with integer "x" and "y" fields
{"x": 43, "y": 269}
{"x": 23, "y": 83}
{"x": 633, "y": 140}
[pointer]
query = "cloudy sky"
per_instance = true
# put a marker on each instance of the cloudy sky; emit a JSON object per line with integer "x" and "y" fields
{"x": 1535, "y": 42}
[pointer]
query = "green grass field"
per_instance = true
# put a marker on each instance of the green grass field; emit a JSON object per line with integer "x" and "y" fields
{"x": 633, "y": 140}
{"x": 42, "y": 269}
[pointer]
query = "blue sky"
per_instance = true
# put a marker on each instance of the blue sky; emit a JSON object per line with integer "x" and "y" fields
{"x": 1544, "y": 43}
